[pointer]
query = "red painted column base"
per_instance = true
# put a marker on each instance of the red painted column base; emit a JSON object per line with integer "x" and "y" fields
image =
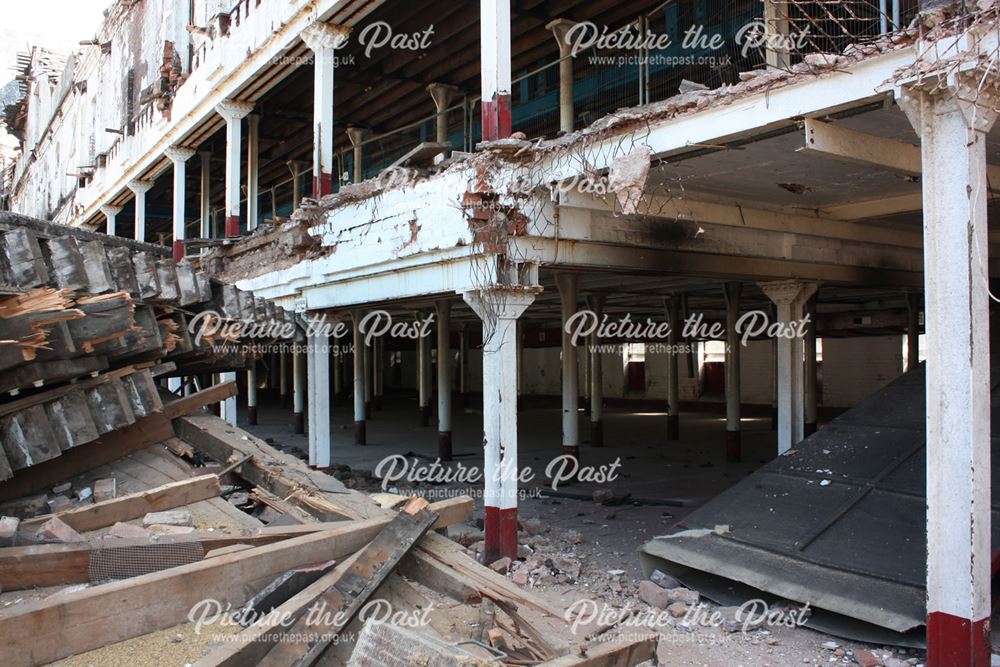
{"x": 954, "y": 641}
{"x": 232, "y": 226}
{"x": 497, "y": 118}
{"x": 322, "y": 185}
{"x": 178, "y": 250}
{"x": 500, "y": 533}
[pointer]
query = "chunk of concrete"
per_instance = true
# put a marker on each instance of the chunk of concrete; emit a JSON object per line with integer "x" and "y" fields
{"x": 168, "y": 518}
{"x": 105, "y": 489}
{"x": 127, "y": 531}
{"x": 8, "y": 530}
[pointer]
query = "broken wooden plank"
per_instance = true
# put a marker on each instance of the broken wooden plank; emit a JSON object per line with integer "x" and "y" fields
{"x": 166, "y": 271}
{"x": 610, "y": 654}
{"x": 135, "y": 505}
{"x": 208, "y": 396}
{"x": 58, "y": 564}
{"x": 251, "y": 645}
{"x": 142, "y": 393}
{"x": 280, "y": 474}
{"x": 345, "y": 598}
{"x": 41, "y": 632}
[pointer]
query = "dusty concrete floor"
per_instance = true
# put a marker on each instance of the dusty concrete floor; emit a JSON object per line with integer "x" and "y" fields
{"x": 602, "y": 539}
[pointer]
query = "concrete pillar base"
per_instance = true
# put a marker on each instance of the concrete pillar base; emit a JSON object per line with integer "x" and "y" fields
{"x": 252, "y": 415}
{"x": 734, "y": 446}
{"x": 957, "y": 641}
{"x": 809, "y": 428}
{"x": 597, "y": 434}
{"x": 425, "y": 415}
{"x": 673, "y": 427}
{"x": 298, "y": 423}
{"x": 500, "y": 534}
{"x": 360, "y": 433}
{"x": 444, "y": 445}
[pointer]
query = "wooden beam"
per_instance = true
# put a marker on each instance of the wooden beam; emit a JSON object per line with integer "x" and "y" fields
{"x": 143, "y": 433}
{"x": 611, "y": 654}
{"x": 63, "y": 564}
{"x": 135, "y": 505}
{"x": 48, "y": 630}
{"x": 191, "y": 404}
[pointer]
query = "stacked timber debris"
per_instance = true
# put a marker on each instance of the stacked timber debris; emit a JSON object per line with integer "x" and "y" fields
{"x": 132, "y": 567}
{"x": 86, "y": 323}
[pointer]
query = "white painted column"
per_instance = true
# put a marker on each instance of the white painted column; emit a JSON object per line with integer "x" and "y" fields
{"x": 734, "y": 444}
{"x": 298, "y": 390}
{"x": 234, "y": 112}
{"x": 568, "y": 295}
{"x": 424, "y": 376}
{"x": 139, "y": 189}
{"x": 252, "y": 392}
{"x": 369, "y": 379}
{"x": 378, "y": 373}
{"x": 338, "y": 372}
{"x": 912, "y": 331}
{"x": 444, "y": 379}
{"x": 111, "y": 215}
{"x": 810, "y": 374}
{"x": 953, "y": 122}
{"x": 673, "y": 313}
{"x": 206, "y": 194}
{"x": 179, "y": 156}
{"x": 596, "y": 304}
{"x": 463, "y": 359}
{"x": 323, "y": 39}
{"x": 360, "y": 431}
{"x": 253, "y": 170}
{"x": 228, "y": 406}
{"x": 559, "y": 28}
{"x": 499, "y": 312}
{"x": 790, "y": 296}
{"x": 319, "y": 401}
{"x": 495, "y": 68}
{"x": 776, "y": 28}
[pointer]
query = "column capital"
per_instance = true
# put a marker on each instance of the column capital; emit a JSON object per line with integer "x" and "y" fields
{"x": 110, "y": 210}
{"x": 560, "y": 28}
{"x": 788, "y": 292}
{"x": 949, "y": 91}
{"x": 179, "y": 153}
{"x": 356, "y": 135}
{"x": 442, "y": 94}
{"x": 295, "y": 166}
{"x": 320, "y": 35}
{"x": 139, "y": 187}
{"x": 233, "y": 110}
{"x": 500, "y": 303}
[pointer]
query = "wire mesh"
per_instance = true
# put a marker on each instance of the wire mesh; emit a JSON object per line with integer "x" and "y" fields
{"x": 109, "y": 563}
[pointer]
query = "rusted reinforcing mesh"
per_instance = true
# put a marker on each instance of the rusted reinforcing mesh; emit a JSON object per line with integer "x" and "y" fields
{"x": 121, "y": 562}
